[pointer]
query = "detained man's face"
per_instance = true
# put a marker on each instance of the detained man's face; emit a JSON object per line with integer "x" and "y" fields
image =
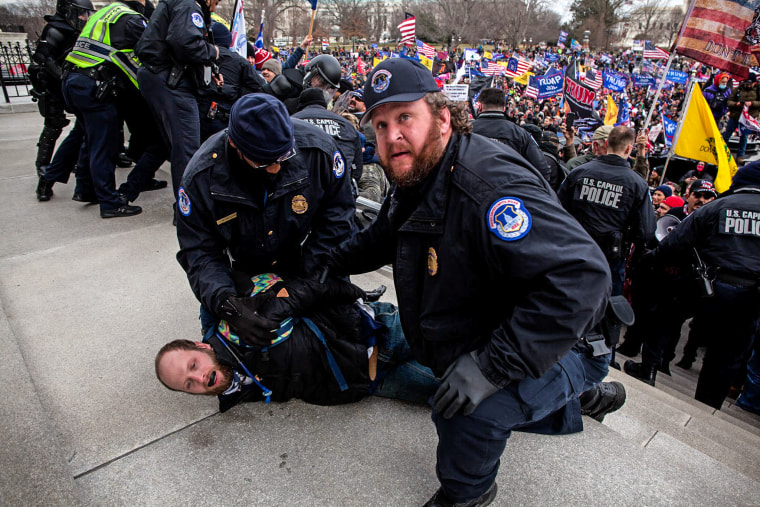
{"x": 195, "y": 371}
{"x": 410, "y": 141}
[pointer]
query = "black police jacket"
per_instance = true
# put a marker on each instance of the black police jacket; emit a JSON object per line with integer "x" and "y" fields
{"x": 240, "y": 78}
{"x": 176, "y": 34}
{"x": 55, "y": 42}
{"x": 298, "y": 367}
{"x": 495, "y": 125}
{"x": 485, "y": 258}
{"x": 340, "y": 129}
{"x": 303, "y": 214}
{"x": 725, "y": 232}
{"x": 606, "y": 196}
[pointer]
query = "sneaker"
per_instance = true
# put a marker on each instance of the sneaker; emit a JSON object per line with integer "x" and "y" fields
{"x": 440, "y": 499}
{"x": 122, "y": 211}
{"x": 604, "y": 398}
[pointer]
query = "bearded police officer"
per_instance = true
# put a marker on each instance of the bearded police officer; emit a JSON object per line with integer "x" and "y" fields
{"x": 176, "y": 59}
{"x": 726, "y": 235}
{"x": 267, "y": 193}
{"x": 496, "y": 283}
{"x": 611, "y": 202}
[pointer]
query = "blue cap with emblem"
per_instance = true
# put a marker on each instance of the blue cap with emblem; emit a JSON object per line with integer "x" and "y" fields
{"x": 396, "y": 80}
{"x": 261, "y": 128}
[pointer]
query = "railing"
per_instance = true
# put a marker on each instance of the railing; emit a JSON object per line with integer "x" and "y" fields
{"x": 15, "y": 59}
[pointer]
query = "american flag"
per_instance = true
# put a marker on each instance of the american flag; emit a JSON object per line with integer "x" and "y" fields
{"x": 593, "y": 79}
{"x": 491, "y": 69}
{"x": 532, "y": 90}
{"x": 407, "y": 30}
{"x": 517, "y": 67}
{"x": 425, "y": 49}
{"x": 653, "y": 52}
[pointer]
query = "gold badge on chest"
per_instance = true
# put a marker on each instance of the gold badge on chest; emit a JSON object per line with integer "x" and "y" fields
{"x": 432, "y": 261}
{"x": 299, "y": 204}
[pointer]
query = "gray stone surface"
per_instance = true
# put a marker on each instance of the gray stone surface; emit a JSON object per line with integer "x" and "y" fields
{"x": 89, "y": 302}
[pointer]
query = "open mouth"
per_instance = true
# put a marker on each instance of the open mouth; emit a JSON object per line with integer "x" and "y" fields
{"x": 212, "y": 379}
{"x": 400, "y": 154}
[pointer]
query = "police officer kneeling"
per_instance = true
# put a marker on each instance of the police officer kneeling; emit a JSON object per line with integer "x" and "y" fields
{"x": 496, "y": 283}
{"x": 267, "y": 193}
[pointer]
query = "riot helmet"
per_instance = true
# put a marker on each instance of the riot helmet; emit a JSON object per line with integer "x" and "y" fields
{"x": 75, "y": 12}
{"x": 327, "y": 67}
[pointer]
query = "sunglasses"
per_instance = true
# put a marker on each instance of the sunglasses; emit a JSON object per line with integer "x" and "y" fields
{"x": 703, "y": 195}
{"x": 290, "y": 154}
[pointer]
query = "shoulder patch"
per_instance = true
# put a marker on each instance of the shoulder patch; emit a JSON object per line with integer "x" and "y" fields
{"x": 197, "y": 19}
{"x": 381, "y": 80}
{"x": 508, "y": 219}
{"x": 339, "y": 166}
{"x": 183, "y": 201}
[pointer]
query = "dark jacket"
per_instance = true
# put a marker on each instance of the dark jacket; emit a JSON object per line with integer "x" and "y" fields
{"x": 484, "y": 258}
{"x": 740, "y": 96}
{"x": 495, "y": 126}
{"x": 55, "y": 42}
{"x": 176, "y": 34}
{"x": 288, "y": 221}
{"x": 607, "y": 197}
{"x": 340, "y": 129}
{"x": 717, "y": 99}
{"x": 239, "y": 79}
{"x": 725, "y": 232}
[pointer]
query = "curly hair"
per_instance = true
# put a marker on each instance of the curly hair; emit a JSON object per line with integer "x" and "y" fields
{"x": 460, "y": 120}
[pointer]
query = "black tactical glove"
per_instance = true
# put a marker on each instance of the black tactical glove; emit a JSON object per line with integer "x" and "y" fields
{"x": 299, "y": 297}
{"x": 244, "y": 320}
{"x": 463, "y": 386}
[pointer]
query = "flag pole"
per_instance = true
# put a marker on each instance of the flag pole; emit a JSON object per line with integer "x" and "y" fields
{"x": 234, "y": 11}
{"x": 311, "y": 25}
{"x": 659, "y": 88}
{"x": 678, "y": 131}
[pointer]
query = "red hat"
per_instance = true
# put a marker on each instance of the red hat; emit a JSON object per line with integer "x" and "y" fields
{"x": 673, "y": 201}
{"x": 720, "y": 76}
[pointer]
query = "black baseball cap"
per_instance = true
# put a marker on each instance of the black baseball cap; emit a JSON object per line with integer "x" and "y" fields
{"x": 396, "y": 80}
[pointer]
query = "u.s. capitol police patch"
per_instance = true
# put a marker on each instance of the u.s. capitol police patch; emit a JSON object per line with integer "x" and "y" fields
{"x": 339, "y": 166}
{"x": 197, "y": 19}
{"x": 183, "y": 201}
{"x": 381, "y": 80}
{"x": 508, "y": 219}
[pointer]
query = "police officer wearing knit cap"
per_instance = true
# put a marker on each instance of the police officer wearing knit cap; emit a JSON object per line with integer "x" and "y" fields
{"x": 266, "y": 193}
{"x": 496, "y": 283}
{"x": 214, "y": 104}
{"x": 726, "y": 234}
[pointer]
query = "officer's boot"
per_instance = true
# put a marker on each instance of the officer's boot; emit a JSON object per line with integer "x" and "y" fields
{"x": 45, "y": 148}
{"x": 44, "y": 189}
{"x": 440, "y": 499}
{"x": 646, "y": 372}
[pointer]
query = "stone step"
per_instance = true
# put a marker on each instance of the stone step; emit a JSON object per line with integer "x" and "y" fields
{"x": 648, "y": 411}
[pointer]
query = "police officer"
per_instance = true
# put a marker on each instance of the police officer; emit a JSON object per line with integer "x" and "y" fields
{"x": 492, "y": 123}
{"x": 99, "y": 68}
{"x": 176, "y": 59}
{"x": 267, "y": 193}
{"x": 726, "y": 234}
{"x": 45, "y": 73}
{"x": 240, "y": 79}
{"x": 312, "y": 108}
{"x": 496, "y": 283}
{"x": 611, "y": 202}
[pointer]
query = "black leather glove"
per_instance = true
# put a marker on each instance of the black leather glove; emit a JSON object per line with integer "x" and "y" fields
{"x": 245, "y": 321}
{"x": 299, "y": 297}
{"x": 463, "y": 386}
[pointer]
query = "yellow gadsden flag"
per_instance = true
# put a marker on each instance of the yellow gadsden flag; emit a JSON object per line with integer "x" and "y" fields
{"x": 524, "y": 78}
{"x": 700, "y": 139}
{"x": 376, "y": 61}
{"x": 427, "y": 62}
{"x": 610, "y": 118}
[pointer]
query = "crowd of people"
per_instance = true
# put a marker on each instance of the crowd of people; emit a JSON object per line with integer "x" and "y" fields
{"x": 517, "y": 237}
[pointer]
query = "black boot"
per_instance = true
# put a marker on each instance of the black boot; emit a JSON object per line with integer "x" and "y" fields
{"x": 664, "y": 368}
{"x": 440, "y": 499}
{"x": 629, "y": 348}
{"x": 44, "y": 189}
{"x": 685, "y": 363}
{"x": 602, "y": 399}
{"x": 643, "y": 371}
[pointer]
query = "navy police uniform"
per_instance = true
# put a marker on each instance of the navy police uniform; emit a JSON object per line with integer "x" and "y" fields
{"x": 485, "y": 260}
{"x": 612, "y": 203}
{"x": 726, "y": 233}
{"x": 230, "y": 212}
{"x": 495, "y": 125}
{"x": 173, "y": 51}
{"x": 341, "y": 130}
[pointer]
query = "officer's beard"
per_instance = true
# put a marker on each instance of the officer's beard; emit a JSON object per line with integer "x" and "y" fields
{"x": 423, "y": 162}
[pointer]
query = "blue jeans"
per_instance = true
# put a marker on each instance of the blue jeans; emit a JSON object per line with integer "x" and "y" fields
{"x": 743, "y": 134}
{"x": 470, "y": 447}
{"x": 750, "y": 397}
